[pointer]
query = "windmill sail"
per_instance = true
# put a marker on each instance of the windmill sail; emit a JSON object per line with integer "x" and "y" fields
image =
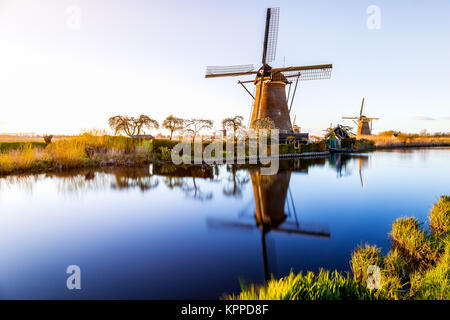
{"x": 362, "y": 107}
{"x": 314, "y": 72}
{"x": 271, "y": 35}
{"x": 229, "y": 71}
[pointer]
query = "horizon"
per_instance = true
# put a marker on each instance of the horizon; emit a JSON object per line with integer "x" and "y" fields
{"x": 132, "y": 58}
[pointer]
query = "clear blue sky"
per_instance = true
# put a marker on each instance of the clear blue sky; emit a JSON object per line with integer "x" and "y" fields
{"x": 131, "y": 57}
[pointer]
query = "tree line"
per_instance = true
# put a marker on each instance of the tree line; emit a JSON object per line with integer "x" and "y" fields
{"x": 132, "y": 126}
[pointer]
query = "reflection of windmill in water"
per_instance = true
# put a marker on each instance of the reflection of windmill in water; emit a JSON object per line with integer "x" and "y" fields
{"x": 340, "y": 161}
{"x": 364, "y": 123}
{"x": 362, "y": 164}
{"x": 274, "y": 211}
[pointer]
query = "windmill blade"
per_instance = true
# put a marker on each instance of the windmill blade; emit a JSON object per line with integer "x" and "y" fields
{"x": 271, "y": 35}
{"x": 303, "y": 73}
{"x": 362, "y": 106}
{"x": 229, "y": 71}
{"x": 350, "y": 118}
{"x": 307, "y": 230}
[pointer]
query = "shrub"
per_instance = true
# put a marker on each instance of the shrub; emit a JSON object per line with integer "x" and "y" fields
{"x": 287, "y": 148}
{"x": 48, "y": 138}
{"x": 165, "y": 153}
{"x": 348, "y": 143}
{"x": 158, "y": 143}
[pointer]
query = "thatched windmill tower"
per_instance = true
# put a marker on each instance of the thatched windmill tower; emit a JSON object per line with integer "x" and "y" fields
{"x": 270, "y": 99}
{"x": 364, "y": 123}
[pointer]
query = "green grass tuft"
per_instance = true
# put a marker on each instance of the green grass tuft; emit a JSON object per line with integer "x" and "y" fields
{"x": 440, "y": 216}
{"x": 323, "y": 286}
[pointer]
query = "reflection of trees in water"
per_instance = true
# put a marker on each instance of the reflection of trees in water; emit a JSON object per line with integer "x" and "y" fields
{"x": 131, "y": 178}
{"x": 184, "y": 177}
{"x": 189, "y": 186}
{"x": 236, "y": 180}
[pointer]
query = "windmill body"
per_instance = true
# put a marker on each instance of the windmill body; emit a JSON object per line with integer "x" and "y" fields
{"x": 270, "y": 99}
{"x": 273, "y": 104}
{"x": 364, "y": 123}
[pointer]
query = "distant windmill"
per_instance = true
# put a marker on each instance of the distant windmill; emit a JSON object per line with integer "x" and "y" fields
{"x": 364, "y": 123}
{"x": 270, "y": 98}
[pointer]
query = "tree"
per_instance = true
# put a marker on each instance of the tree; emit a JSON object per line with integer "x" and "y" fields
{"x": 173, "y": 124}
{"x": 235, "y": 123}
{"x": 264, "y": 123}
{"x": 48, "y": 138}
{"x": 194, "y": 126}
{"x": 132, "y": 126}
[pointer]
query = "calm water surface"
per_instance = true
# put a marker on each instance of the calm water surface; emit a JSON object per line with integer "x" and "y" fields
{"x": 162, "y": 232}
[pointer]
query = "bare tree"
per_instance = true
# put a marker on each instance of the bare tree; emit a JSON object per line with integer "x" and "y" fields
{"x": 194, "y": 126}
{"x": 235, "y": 123}
{"x": 173, "y": 124}
{"x": 132, "y": 126}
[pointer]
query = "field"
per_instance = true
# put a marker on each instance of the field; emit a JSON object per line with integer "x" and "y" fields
{"x": 407, "y": 140}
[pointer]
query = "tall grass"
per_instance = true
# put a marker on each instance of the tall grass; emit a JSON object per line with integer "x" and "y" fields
{"x": 416, "y": 245}
{"x": 87, "y": 149}
{"x": 21, "y": 159}
{"x": 67, "y": 153}
{"x": 407, "y": 140}
{"x": 416, "y": 267}
{"x": 323, "y": 286}
{"x": 433, "y": 283}
{"x": 440, "y": 216}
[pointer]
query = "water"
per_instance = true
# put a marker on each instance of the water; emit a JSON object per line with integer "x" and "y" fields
{"x": 156, "y": 233}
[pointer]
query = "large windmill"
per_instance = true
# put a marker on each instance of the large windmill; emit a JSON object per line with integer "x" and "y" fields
{"x": 364, "y": 123}
{"x": 270, "y": 99}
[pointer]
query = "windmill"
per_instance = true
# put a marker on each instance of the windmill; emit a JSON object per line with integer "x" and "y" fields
{"x": 270, "y": 99}
{"x": 364, "y": 123}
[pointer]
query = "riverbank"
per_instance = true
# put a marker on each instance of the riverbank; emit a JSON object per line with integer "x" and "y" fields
{"x": 98, "y": 151}
{"x": 416, "y": 267}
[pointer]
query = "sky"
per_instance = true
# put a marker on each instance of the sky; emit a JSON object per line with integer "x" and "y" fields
{"x": 67, "y": 65}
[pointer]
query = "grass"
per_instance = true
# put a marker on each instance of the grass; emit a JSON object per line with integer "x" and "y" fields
{"x": 416, "y": 267}
{"x": 323, "y": 286}
{"x": 407, "y": 140}
{"x": 7, "y": 146}
{"x": 86, "y": 150}
{"x": 415, "y": 244}
{"x": 440, "y": 216}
